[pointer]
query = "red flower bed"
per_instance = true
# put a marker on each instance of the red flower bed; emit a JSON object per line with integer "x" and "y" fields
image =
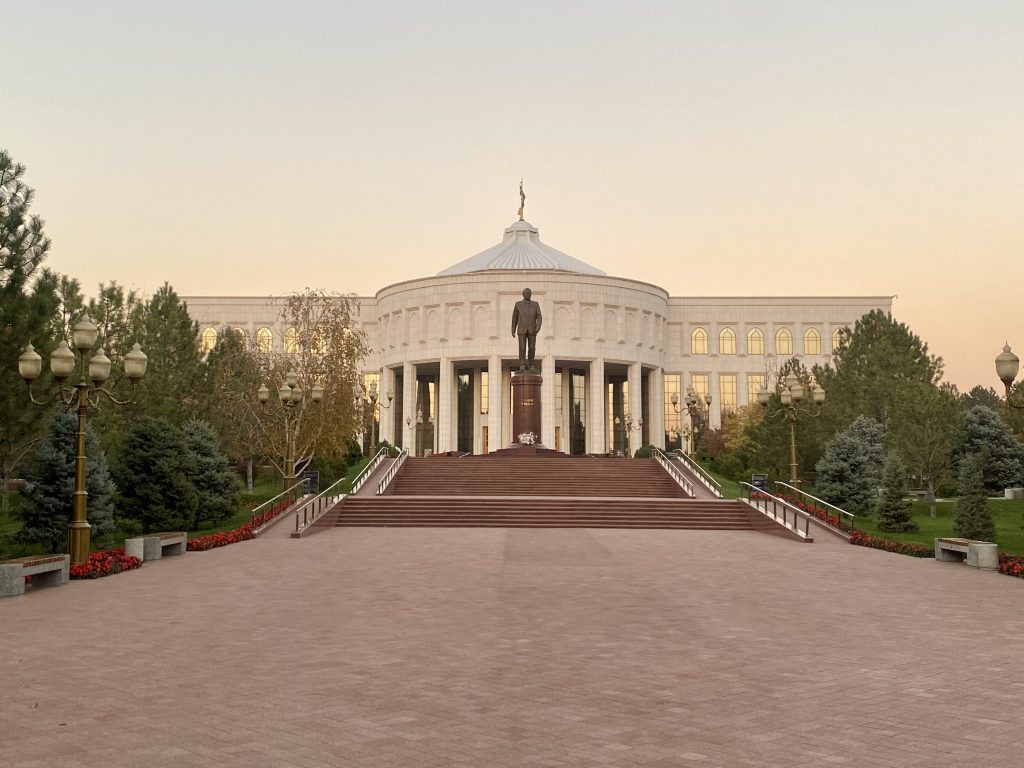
{"x": 104, "y": 563}
{"x": 1011, "y": 565}
{"x": 819, "y": 512}
{"x": 222, "y": 539}
{"x": 914, "y": 550}
{"x": 265, "y": 517}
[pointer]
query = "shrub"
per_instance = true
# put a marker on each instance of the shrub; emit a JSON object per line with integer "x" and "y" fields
{"x": 644, "y": 452}
{"x": 845, "y": 474}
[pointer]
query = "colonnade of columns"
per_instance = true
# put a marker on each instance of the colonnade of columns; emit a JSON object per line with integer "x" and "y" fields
{"x": 399, "y": 424}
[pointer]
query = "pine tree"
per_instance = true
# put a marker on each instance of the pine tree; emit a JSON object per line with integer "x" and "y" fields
{"x": 214, "y": 480}
{"x": 27, "y": 303}
{"x": 973, "y": 519}
{"x": 844, "y": 475}
{"x": 154, "y": 476}
{"x": 50, "y": 484}
{"x": 894, "y": 508}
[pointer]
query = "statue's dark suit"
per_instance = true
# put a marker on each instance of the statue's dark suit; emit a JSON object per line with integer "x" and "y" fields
{"x": 526, "y": 321}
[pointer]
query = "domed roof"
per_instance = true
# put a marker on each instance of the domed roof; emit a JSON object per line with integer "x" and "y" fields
{"x": 521, "y": 248}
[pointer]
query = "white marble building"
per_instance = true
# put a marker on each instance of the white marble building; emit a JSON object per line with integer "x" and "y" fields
{"x": 612, "y": 350}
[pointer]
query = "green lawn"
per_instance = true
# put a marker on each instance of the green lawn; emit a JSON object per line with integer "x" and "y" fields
{"x": 1007, "y": 514}
{"x": 730, "y": 488}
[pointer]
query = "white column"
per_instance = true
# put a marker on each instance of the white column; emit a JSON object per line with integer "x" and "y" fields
{"x": 408, "y": 406}
{"x": 445, "y": 385}
{"x": 547, "y": 401}
{"x": 387, "y": 415}
{"x": 656, "y": 381}
{"x": 494, "y": 399}
{"x": 636, "y": 404}
{"x": 597, "y": 418}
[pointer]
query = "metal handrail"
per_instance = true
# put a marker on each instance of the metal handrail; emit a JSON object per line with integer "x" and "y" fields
{"x": 291, "y": 495}
{"x": 311, "y": 509}
{"x": 364, "y": 475}
{"x": 702, "y": 474}
{"x": 842, "y": 512}
{"x": 674, "y": 471}
{"x": 392, "y": 471}
{"x": 766, "y": 498}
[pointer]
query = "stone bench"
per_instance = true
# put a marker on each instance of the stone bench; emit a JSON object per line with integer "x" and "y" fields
{"x": 978, "y": 554}
{"x": 45, "y": 570}
{"x": 153, "y": 546}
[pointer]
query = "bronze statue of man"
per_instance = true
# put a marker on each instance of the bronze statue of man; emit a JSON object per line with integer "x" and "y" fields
{"x": 526, "y": 322}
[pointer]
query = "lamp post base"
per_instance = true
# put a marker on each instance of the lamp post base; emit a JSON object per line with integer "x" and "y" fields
{"x": 78, "y": 541}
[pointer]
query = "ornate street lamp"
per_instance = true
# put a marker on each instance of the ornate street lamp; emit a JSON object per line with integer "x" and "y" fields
{"x": 290, "y": 394}
{"x": 1007, "y": 366}
{"x": 84, "y": 394}
{"x": 628, "y": 424}
{"x": 791, "y": 394}
{"x": 375, "y": 406}
{"x": 699, "y": 410}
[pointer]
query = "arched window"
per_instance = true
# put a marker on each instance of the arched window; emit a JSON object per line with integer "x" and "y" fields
{"x": 727, "y": 342}
{"x": 240, "y": 334}
{"x": 265, "y": 340}
{"x": 783, "y": 342}
{"x": 209, "y": 340}
{"x": 291, "y": 342}
{"x": 812, "y": 342}
{"x": 837, "y": 339}
{"x": 699, "y": 342}
{"x": 755, "y": 342}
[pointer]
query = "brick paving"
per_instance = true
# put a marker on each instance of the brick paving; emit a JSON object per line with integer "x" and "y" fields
{"x": 493, "y": 648}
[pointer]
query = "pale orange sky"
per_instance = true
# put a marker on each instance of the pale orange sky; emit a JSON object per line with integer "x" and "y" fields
{"x": 775, "y": 148}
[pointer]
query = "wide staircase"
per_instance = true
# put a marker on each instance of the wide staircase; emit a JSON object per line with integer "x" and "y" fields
{"x": 540, "y": 492}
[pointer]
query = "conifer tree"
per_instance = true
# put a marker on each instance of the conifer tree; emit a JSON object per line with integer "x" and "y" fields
{"x": 845, "y": 476}
{"x": 973, "y": 519}
{"x": 47, "y": 497}
{"x": 154, "y": 477}
{"x": 214, "y": 480}
{"x": 27, "y": 303}
{"x": 894, "y": 508}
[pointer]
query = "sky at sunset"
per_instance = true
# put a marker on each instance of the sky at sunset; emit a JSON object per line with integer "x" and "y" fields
{"x": 711, "y": 148}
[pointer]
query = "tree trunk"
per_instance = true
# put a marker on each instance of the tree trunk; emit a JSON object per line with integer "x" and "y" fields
{"x": 248, "y": 474}
{"x": 931, "y": 498}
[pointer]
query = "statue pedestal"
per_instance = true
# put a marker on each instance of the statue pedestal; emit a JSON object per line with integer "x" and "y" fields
{"x": 526, "y": 405}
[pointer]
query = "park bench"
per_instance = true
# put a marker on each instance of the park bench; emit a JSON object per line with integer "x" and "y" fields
{"x": 45, "y": 570}
{"x": 153, "y": 546}
{"x": 979, "y": 554}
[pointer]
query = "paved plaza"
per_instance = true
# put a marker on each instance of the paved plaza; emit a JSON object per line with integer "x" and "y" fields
{"x": 494, "y": 647}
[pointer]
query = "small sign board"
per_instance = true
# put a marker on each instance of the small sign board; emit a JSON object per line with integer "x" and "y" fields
{"x": 760, "y": 482}
{"x": 311, "y": 482}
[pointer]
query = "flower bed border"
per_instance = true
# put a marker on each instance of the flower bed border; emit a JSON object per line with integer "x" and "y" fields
{"x": 105, "y": 563}
{"x": 1009, "y": 565}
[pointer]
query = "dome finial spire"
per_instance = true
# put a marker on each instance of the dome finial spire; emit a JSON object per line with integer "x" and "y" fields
{"x": 522, "y": 199}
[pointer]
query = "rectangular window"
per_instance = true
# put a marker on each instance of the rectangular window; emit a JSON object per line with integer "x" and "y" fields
{"x": 673, "y": 413}
{"x": 484, "y": 396}
{"x": 755, "y": 383}
{"x": 727, "y": 392}
{"x": 578, "y": 417}
{"x": 701, "y": 382}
